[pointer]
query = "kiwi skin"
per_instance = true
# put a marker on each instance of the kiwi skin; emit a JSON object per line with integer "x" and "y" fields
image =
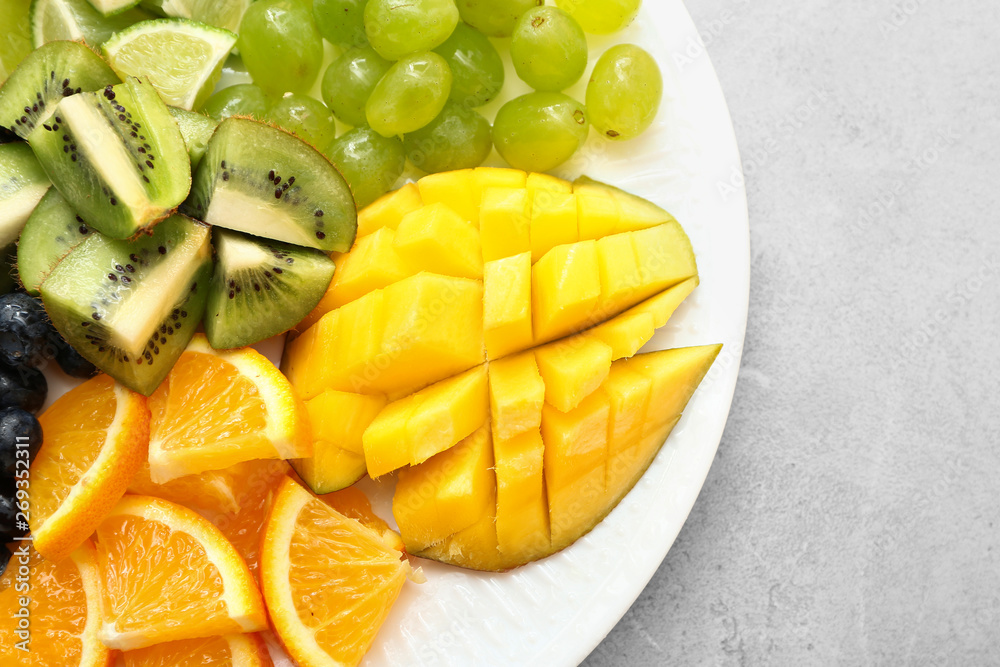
{"x": 261, "y": 288}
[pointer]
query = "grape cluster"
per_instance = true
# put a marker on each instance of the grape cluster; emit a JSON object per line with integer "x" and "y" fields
{"x": 412, "y": 75}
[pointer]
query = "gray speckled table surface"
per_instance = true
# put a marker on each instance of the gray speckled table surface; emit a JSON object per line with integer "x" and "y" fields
{"x": 851, "y": 515}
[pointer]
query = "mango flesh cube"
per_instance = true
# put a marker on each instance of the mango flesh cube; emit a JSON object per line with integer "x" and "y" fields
{"x": 308, "y": 359}
{"x": 475, "y": 547}
{"x": 553, "y": 221}
{"x": 675, "y": 374}
{"x": 621, "y": 277}
{"x": 628, "y": 396}
{"x": 330, "y": 469}
{"x": 340, "y": 418}
{"x": 433, "y": 330}
{"x": 438, "y": 240}
{"x": 456, "y": 189}
{"x": 494, "y": 177}
{"x": 572, "y": 369}
{"x": 522, "y": 509}
{"x": 635, "y": 212}
{"x": 575, "y": 455}
{"x": 388, "y": 210}
{"x": 536, "y": 182}
{"x": 446, "y": 493}
{"x": 517, "y": 393}
{"x": 597, "y": 215}
{"x": 381, "y": 440}
{"x": 505, "y": 223}
{"x": 625, "y": 334}
{"x": 565, "y": 288}
{"x": 372, "y": 264}
{"x": 507, "y": 305}
{"x": 358, "y": 341}
{"x": 664, "y": 256}
{"x": 449, "y": 411}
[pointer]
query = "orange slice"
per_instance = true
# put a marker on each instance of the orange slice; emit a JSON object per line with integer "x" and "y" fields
{"x": 328, "y": 580}
{"x": 169, "y": 575}
{"x": 64, "y": 611}
{"x": 218, "y": 408}
{"x": 227, "y": 651}
{"x": 94, "y": 439}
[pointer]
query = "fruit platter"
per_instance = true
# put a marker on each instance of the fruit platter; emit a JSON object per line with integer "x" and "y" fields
{"x": 339, "y": 332}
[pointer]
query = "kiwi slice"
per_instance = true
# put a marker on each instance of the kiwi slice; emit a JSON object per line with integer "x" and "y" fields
{"x": 52, "y": 230}
{"x": 258, "y": 179}
{"x": 22, "y": 185}
{"x": 49, "y": 73}
{"x": 196, "y": 129}
{"x": 131, "y": 307}
{"x": 117, "y": 156}
{"x": 261, "y": 288}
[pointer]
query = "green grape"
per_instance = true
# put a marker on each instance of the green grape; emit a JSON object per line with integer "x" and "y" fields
{"x": 476, "y": 67}
{"x": 624, "y": 92}
{"x": 369, "y": 162}
{"x": 410, "y": 95}
{"x": 350, "y": 80}
{"x": 549, "y": 49}
{"x": 459, "y": 138}
{"x": 495, "y": 18}
{"x": 305, "y": 117}
{"x": 243, "y": 99}
{"x": 540, "y": 131}
{"x": 341, "y": 22}
{"x": 602, "y": 17}
{"x": 280, "y": 45}
{"x": 397, "y": 28}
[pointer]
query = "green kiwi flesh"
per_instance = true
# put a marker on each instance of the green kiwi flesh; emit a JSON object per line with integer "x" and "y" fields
{"x": 263, "y": 181}
{"x": 261, "y": 288}
{"x": 47, "y": 75}
{"x": 196, "y": 129}
{"x": 131, "y": 307}
{"x": 52, "y": 230}
{"x": 117, "y": 156}
{"x": 22, "y": 185}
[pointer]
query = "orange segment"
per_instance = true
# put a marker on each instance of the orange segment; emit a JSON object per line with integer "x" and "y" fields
{"x": 329, "y": 581}
{"x": 94, "y": 440}
{"x": 218, "y": 408}
{"x": 64, "y": 611}
{"x": 169, "y": 575}
{"x": 226, "y": 651}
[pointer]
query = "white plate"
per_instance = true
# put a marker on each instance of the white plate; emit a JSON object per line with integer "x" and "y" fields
{"x": 554, "y": 612}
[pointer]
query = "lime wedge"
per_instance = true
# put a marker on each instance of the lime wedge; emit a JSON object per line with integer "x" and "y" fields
{"x": 53, "y": 20}
{"x": 15, "y": 38}
{"x": 181, "y": 58}
{"x": 225, "y": 14}
{"x": 112, "y": 7}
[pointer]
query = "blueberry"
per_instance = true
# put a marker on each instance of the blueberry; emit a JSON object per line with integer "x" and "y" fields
{"x": 19, "y": 432}
{"x": 8, "y": 518}
{"x": 70, "y": 360}
{"x": 24, "y": 330}
{"x": 23, "y": 388}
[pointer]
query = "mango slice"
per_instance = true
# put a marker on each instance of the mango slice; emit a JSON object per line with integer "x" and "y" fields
{"x": 507, "y": 305}
{"x": 389, "y": 209}
{"x": 572, "y": 369}
{"x": 517, "y": 393}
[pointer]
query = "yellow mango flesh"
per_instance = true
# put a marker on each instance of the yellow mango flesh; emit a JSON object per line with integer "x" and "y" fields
{"x": 505, "y": 222}
{"x": 517, "y": 393}
{"x": 413, "y": 429}
{"x": 435, "y": 238}
{"x": 507, "y": 305}
{"x": 499, "y": 265}
{"x": 565, "y": 288}
{"x": 389, "y": 210}
{"x": 456, "y": 189}
{"x": 553, "y": 221}
{"x": 572, "y": 369}
{"x": 446, "y": 493}
{"x": 522, "y": 515}
{"x": 338, "y": 420}
{"x": 392, "y": 341}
